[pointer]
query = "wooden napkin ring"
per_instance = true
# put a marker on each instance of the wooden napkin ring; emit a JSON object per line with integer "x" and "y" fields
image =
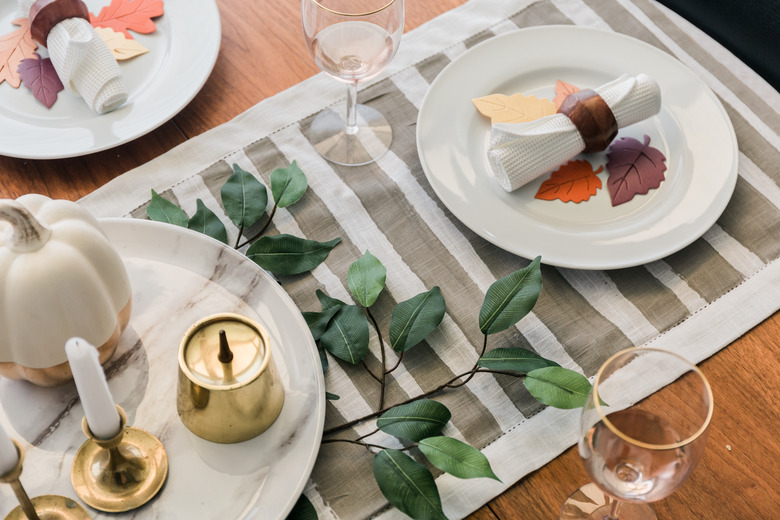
{"x": 592, "y": 117}
{"x": 45, "y": 14}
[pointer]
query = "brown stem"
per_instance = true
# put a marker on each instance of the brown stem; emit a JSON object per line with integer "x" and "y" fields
{"x": 397, "y": 364}
{"x": 475, "y": 368}
{"x": 376, "y": 377}
{"x": 358, "y": 442}
{"x": 259, "y": 233}
{"x": 238, "y": 238}
{"x": 384, "y": 362}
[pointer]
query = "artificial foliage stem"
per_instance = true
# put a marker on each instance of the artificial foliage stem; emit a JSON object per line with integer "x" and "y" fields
{"x": 384, "y": 361}
{"x": 449, "y": 384}
{"x": 474, "y": 368}
{"x": 238, "y": 238}
{"x": 351, "y": 125}
{"x": 358, "y": 442}
{"x": 259, "y": 233}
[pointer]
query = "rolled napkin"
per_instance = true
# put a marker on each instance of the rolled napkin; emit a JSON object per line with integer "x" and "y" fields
{"x": 520, "y": 152}
{"x": 82, "y": 60}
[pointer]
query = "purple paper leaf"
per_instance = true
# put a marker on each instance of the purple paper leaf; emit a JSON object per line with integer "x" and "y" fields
{"x": 39, "y": 76}
{"x": 634, "y": 168}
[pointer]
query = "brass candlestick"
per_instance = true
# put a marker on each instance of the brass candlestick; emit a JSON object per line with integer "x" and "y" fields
{"x": 45, "y": 507}
{"x": 121, "y": 473}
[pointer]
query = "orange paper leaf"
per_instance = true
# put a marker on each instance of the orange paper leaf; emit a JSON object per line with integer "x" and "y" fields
{"x": 563, "y": 89}
{"x": 135, "y": 15}
{"x": 513, "y": 109}
{"x": 15, "y": 47}
{"x": 575, "y": 181}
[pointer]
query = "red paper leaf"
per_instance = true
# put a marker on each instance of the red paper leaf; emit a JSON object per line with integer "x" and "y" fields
{"x": 135, "y": 15}
{"x": 39, "y": 76}
{"x": 575, "y": 181}
{"x": 634, "y": 168}
{"x": 15, "y": 47}
{"x": 563, "y": 89}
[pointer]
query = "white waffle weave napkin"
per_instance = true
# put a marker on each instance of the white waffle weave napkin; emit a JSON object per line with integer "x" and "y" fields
{"x": 520, "y": 152}
{"x": 84, "y": 63}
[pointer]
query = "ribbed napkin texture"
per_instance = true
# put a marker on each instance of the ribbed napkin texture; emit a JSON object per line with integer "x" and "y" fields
{"x": 521, "y": 152}
{"x": 84, "y": 63}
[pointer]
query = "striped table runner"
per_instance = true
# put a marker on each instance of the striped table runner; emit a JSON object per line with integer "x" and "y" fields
{"x": 695, "y": 301}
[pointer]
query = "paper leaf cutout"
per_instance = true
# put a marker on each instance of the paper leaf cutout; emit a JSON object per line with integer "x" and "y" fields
{"x": 513, "y": 109}
{"x": 120, "y": 47}
{"x": 15, "y": 47}
{"x": 575, "y": 181}
{"x": 634, "y": 168}
{"x": 135, "y": 15}
{"x": 563, "y": 89}
{"x": 39, "y": 76}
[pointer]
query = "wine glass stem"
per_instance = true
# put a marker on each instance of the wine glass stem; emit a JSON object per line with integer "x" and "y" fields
{"x": 614, "y": 510}
{"x": 352, "y": 127}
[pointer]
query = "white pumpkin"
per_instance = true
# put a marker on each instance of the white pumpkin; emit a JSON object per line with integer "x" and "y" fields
{"x": 60, "y": 277}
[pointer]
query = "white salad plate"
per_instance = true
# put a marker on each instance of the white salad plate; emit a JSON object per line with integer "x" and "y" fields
{"x": 692, "y": 130}
{"x": 179, "y": 277}
{"x": 182, "y": 54}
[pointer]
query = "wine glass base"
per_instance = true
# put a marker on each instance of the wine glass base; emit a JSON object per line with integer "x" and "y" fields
{"x": 372, "y": 139}
{"x": 591, "y": 503}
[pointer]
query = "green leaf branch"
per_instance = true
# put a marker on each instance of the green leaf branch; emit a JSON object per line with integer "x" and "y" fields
{"x": 245, "y": 203}
{"x": 419, "y": 420}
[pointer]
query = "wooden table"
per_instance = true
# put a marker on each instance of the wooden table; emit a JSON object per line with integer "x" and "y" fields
{"x": 262, "y": 54}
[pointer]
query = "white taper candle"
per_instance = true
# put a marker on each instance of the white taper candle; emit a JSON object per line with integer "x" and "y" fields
{"x": 9, "y": 457}
{"x": 99, "y": 407}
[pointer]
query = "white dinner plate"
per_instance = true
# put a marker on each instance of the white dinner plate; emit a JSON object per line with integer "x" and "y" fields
{"x": 182, "y": 53}
{"x": 692, "y": 130}
{"x": 179, "y": 277}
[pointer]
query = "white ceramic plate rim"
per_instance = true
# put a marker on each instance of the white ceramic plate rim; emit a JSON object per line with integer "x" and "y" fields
{"x": 183, "y": 51}
{"x": 122, "y": 232}
{"x": 692, "y": 130}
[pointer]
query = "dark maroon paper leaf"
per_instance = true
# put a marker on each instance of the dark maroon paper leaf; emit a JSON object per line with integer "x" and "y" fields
{"x": 39, "y": 76}
{"x": 634, "y": 168}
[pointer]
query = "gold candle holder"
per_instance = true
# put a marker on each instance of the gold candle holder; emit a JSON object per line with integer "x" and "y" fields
{"x": 121, "y": 473}
{"x": 45, "y": 507}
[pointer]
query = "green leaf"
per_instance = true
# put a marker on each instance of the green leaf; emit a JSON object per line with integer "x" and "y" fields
{"x": 244, "y": 198}
{"x": 323, "y": 357}
{"x": 303, "y": 510}
{"x": 319, "y": 321}
{"x": 510, "y": 298}
{"x": 366, "y": 279}
{"x": 327, "y": 302}
{"x": 415, "y": 318}
{"x": 407, "y": 485}
{"x": 346, "y": 337}
{"x": 515, "y": 359}
{"x": 288, "y": 185}
{"x": 163, "y": 210}
{"x": 456, "y": 458}
{"x": 558, "y": 387}
{"x": 205, "y": 221}
{"x": 416, "y": 420}
{"x": 331, "y": 397}
{"x": 288, "y": 255}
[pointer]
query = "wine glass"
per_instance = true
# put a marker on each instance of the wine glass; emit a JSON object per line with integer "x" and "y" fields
{"x": 352, "y": 41}
{"x": 639, "y": 453}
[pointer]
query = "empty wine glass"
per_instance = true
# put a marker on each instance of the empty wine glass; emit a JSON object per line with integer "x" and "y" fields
{"x": 352, "y": 40}
{"x": 639, "y": 453}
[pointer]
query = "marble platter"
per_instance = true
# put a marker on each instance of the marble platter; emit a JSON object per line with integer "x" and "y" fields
{"x": 178, "y": 277}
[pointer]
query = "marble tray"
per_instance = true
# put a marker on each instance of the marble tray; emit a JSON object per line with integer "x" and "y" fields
{"x": 178, "y": 277}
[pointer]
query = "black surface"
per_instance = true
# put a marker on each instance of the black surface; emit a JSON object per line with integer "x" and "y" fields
{"x": 748, "y": 28}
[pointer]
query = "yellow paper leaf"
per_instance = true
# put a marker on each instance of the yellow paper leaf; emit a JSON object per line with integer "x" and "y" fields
{"x": 513, "y": 109}
{"x": 120, "y": 47}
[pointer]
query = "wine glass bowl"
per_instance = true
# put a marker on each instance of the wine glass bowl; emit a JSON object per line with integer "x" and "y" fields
{"x": 639, "y": 452}
{"x": 352, "y": 41}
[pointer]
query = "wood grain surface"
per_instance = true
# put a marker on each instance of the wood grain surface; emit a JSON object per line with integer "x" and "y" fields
{"x": 262, "y": 54}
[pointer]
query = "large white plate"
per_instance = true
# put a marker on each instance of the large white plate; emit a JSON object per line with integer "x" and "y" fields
{"x": 178, "y": 277}
{"x": 692, "y": 130}
{"x": 182, "y": 53}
